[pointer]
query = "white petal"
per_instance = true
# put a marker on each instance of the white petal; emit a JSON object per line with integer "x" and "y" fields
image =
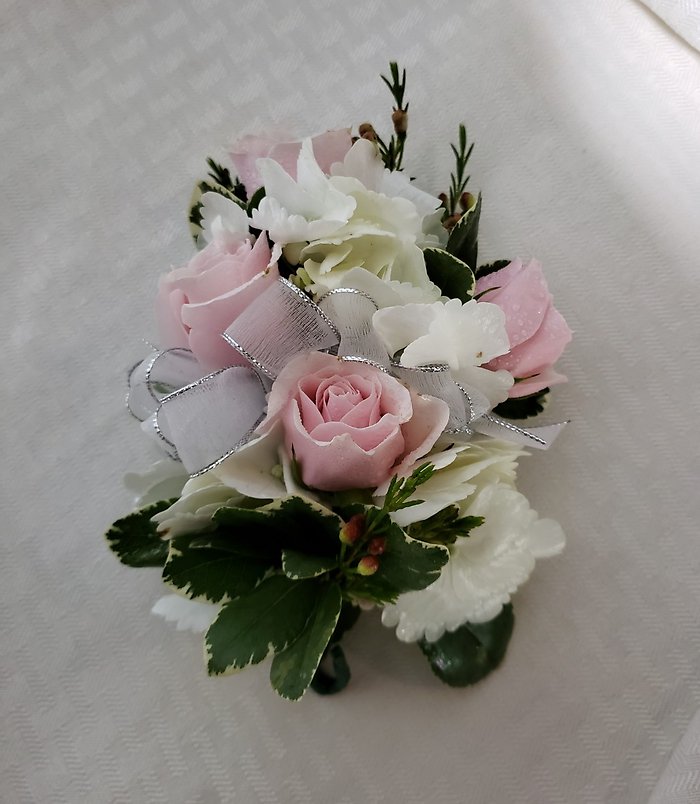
{"x": 249, "y": 470}
{"x": 189, "y": 615}
{"x": 400, "y": 326}
{"x": 362, "y": 162}
{"x": 223, "y": 219}
{"x": 395, "y": 183}
{"x": 484, "y": 570}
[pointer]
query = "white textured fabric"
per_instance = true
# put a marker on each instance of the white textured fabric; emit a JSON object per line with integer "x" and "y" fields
{"x": 587, "y": 121}
{"x": 680, "y": 781}
{"x": 682, "y": 15}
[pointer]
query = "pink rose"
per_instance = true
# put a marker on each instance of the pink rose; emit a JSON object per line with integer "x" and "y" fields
{"x": 536, "y": 331}
{"x": 195, "y": 304}
{"x": 350, "y": 425}
{"x": 329, "y": 147}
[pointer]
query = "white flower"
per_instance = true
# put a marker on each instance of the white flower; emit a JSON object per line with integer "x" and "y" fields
{"x": 460, "y": 472}
{"x": 360, "y": 217}
{"x": 463, "y": 336}
{"x": 192, "y": 513}
{"x": 223, "y": 220}
{"x": 163, "y": 480}
{"x": 189, "y": 615}
{"x": 484, "y": 570}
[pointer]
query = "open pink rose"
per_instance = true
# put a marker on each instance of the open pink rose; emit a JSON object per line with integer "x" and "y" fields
{"x": 537, "y": 332}
{"x": 195, "y": 304}
{"x": 350, "y": 425}
{"x": 329, "y": 147}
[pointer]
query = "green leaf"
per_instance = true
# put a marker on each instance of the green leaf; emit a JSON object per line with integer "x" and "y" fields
{"x": 218, "y": 567}
{"x": 444, "y": 527}
{"x": 261, "y": 622}
{"x": 462, "y": 241}
{"x": 134, "y": 538}
{"x": 255, "y": 200}
{"x": 522, "y": 407}
{"x": 349, "y": 615}
{"x": 325, "y": 683}
{"x": 405, "y": 565}
{"x": 471, "y": 652}
{"x": 490, "y": 268}
{"x": 289, "y": 523}
{"x": 296, "y": 565}
{"x": 294, "y": 667}
{"x": 454, "y": 277}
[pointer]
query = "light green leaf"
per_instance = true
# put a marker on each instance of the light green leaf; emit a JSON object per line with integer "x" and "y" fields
{"x": 217, "y": 568}
{"x": 471, "y": 652}
{"x": 293, "y": 668}
{"x": 263, "y": 621}
{"x": 296, "y": 565}
{"x": 134, "y": 538}
{"x": 454, "y": 277}
{"x": 462, "y": 241}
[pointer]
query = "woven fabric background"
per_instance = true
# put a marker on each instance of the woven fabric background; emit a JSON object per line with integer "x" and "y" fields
{"x": 586, "y": 116}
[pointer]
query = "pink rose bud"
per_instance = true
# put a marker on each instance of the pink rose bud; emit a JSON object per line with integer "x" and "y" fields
{"x": 368, "y": 565}
{"x": 352, "y": 529}
{"x": 350, "y": 425}
{"x": 198, "y": 302}
{"x": 537, "y": 331}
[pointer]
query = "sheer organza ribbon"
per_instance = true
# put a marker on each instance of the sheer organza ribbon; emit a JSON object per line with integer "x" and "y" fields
{"x": 203, "y": 420}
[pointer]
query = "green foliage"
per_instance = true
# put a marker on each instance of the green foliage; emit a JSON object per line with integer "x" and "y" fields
{"x": 458, "y": 179}
{"x": 491, "y": 267}
{"x": 472, "y": 651}
{"x": 255, "y": 200}
{"x": 294, "y": 667}
{"x": 218, "y": 181}
{"x": 288, "y": 523}
{"x": 263, "y": 621}
{"x": 296, "y": 565}
{"x": 523, "y": 407}
{"x": 134, "y": 539}
{"x": 454, "y": 277}
{"x": 462, "y": 242}
{"x": 325, "y": 683}
{"x": 405, "y": 565}
{"x": 444, "y": 527}
{"x": 218, "y": 566}
{"x": 392, "y": 154}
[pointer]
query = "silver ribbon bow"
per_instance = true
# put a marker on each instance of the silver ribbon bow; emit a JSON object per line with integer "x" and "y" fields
{"x": 203, "y": 420}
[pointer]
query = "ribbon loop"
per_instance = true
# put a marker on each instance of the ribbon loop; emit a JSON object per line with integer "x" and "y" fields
{"x": 351, "y": 312}
{"x": 161, "y": 373}
{"x": 281, "y": 323}
{"x": 210, "y": 419}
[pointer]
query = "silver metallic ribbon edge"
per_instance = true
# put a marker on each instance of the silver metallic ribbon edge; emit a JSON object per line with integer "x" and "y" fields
{"x": 487, "y": 423}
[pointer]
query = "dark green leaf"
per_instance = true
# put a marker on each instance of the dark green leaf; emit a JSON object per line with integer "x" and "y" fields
{"x": 444, "y": 527}
{"x": 218, "y": 567}
{"x": 463, "y": 238}
{"x": 490, "y": 268}
{"x": 405, "y": 565}
{"x": 290, "y": 523}
{"x": 255, "y": 199}
{"x": 471, "y": 652}
{"x": 349, "y": 615}
{"x": 261, "y": 622}
{"x": 522, "y": 407}
{"x": 293, "y": 668}
{"x": 296, "y": 565}
{"x": 325, "y": 683}
{"x": 454, "y": 277}
{"x": 134, "y": 538}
